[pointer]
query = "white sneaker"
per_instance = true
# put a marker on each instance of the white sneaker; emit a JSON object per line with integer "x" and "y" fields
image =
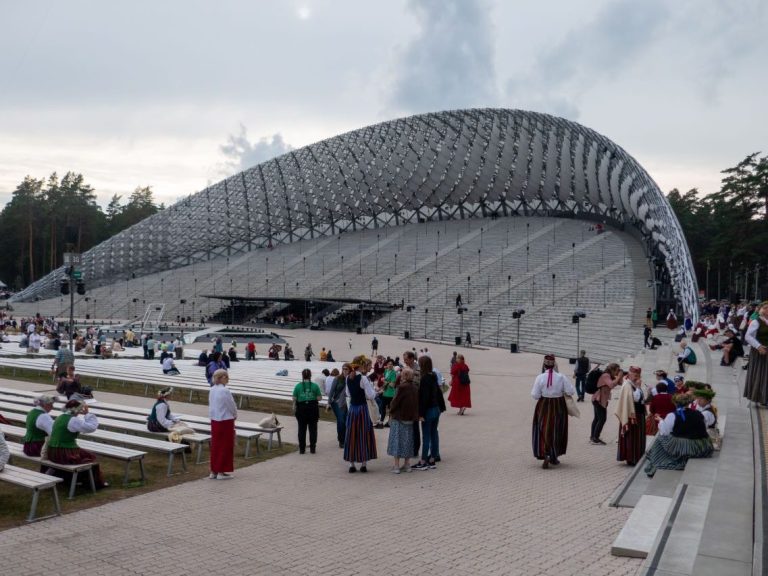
{"x": 223, "y": 476}
{"x": 395, "y": 470}
{"x": 212, "y": 476}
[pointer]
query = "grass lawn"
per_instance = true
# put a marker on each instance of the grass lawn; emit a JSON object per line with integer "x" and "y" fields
{"x": 15, "y": 501}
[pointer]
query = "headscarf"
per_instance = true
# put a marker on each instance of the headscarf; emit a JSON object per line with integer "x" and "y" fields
{"x": 43, "y": 400}
{"x": 75, "y": 407}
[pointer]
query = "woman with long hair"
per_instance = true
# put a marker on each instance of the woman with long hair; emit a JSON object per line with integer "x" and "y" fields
{"x": 431, "y": 404}
{"x": 360, "y": 441}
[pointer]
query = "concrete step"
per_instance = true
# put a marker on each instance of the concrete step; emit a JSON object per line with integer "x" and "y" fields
{"x": 637, "y": 537}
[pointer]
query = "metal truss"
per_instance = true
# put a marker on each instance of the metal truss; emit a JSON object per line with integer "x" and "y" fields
{"x": 447, "y": 165}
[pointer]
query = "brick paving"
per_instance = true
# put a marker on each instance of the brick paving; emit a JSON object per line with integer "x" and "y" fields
{"x": 488, "y": 509}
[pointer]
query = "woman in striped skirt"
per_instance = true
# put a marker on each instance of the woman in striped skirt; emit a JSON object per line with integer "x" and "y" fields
{"x": 360, "y": 441}
{"x": 550, "y": 418}
{"x": 682, "y": 435}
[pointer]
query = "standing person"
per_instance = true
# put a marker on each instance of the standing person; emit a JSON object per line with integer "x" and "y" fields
{"x": 360, "y": 441}
{"x": 458, "y": 300}
{"x": 460, "y": 395}
{"x": 611, "y": 378}
{"x": 631, "y": 415}
{"x": 756, "y": 382}
{"x": 404, "y": 411}
{"x": 431, "y": 404}
{"x": 646, "y": 336}
{"x": 580, "y": 374}
{"x": 215, "y": 363}
{"x": 671, "y": 320}
{"x": 374, "y": 347}
{"x": 655, "y": 318}
{"x": 306, "y": 395}
{"x": 308, "y": 353}
{"x": 648, "y": 317}
{"x": 389, "y": 380}
{"x": 468, "y": 340}
{"x": 62, "y": 446}
{"x": 223, "y": 412}
{"x": 550, "y": 418}
{"x": 337, "y": 401}
{"x": 64, "y": 358}
{"x": 39, "y": 425}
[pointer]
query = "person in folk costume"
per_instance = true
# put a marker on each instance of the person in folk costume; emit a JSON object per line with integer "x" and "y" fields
{"x": 702, "y": 401}
{"x": 756, "y": 382}
{"x": 682, "y": 435}
{"x": 222, "y": 411}
{"x": 39, "y": 425}
{"x": 671, "y": 320}
{"x": 360, "y": 441}
{"x": 62, "y": 445}
{"x": 631, "y": 414}
{"x": 550, "y": 417}
{"x": 161, "y": 419}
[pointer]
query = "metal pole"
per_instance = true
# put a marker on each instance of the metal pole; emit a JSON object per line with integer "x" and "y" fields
{"x": 442, "y": 323}
{"x": 479, "y": 326}
{"x": 71, "y": 310}
{"x": 578, "y": 325}
{"x": 527, "y": 252}
{"x": 533, "y": 289}
{"x": 577, "y": 292}
{"x": 498, "y": 325}
{"x": 604, "y": 283}
{"x": 518, "y": 333}
{"x": 553, "y": 289}
{"x": 573, "y": 255}
{"x": 509, "y": 286}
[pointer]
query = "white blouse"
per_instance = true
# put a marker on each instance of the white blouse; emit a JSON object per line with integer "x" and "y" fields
{"x": 44, "y": 422}
{"x": 560, "y": 385}
{"x": 751, "y": 336}
{"x": 221, "y": 404}
{"x": 88, "y": 423}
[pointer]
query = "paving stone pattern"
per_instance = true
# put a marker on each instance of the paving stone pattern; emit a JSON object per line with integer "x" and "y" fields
{"x": 488, "y": 509}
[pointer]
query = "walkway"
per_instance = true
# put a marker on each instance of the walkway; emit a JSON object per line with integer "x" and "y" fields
{"x": 489, "y": 508}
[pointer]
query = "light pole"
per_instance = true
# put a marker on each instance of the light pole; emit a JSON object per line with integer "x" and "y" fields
{"x": 576, "y": 319}
{"x": 509, "y": 286}
{"x": 267, "y": 258}
{"x": 533, "y": 289}
{"x": 479, "y": 326}
{"x": 605, "y": 281}
{"x": 553, "y": 289}
{"x": 527, "y": 253}
{"x": 427, "y": 289}
{"x": 442, "y": 322}
{"x": 577, "y": 292}
{"x": 426, "y": 311}
{"x": 498, "y": 326}
{"x": 388, "y": 300}
{"x": 468, "y": 295}
{"x": 517, "y": 314}
{"x": 573, "y": 255}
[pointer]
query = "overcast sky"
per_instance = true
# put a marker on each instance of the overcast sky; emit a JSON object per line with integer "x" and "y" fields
{"x": 178, "y": 94}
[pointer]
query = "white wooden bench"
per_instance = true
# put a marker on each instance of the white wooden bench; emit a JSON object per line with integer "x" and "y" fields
{"x": 33, "y": 481}
{"x": 17, "y": 451}
{"x": 127, "y": 455}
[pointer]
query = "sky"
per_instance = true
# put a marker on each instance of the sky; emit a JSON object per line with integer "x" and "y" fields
{"x": 179, "y": 94}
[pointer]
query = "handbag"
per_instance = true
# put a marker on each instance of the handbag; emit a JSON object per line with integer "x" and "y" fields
{"x": 570, "y": 405}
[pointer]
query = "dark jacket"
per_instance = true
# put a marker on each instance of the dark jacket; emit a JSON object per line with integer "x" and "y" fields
{"x": 430, "y": 394}
{"x": 405, "y": 404}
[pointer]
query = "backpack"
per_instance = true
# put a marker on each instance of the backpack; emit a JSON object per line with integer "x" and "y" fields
{"x": 590, "y": 386}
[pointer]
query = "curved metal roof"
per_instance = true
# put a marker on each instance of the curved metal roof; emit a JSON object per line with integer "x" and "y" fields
{"x": 452, "y": 164}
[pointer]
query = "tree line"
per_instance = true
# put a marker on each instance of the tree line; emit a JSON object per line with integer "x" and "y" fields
{"x": 727, "y": 231}
{"x": 49, "y": 216}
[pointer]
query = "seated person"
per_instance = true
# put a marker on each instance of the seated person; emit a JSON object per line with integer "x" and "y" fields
{"x": 288, "y": 354}
{"x": 38, "y": 425}
{"x": 686, "y": 356}
{"x": 732, "y": 348}
{"x": 703, "y": 403}
{"x": 161, "y": 419}
{"x": 682, "y": 435}
{"x": 661, "y": 404}
{"x": 274, "y": 353}
{"x": 203, "y": 359}
{"x": 655, "y": 342}
{"x": 116, "y": 346}
{"x": 232, "y": 353}
{"x": 330, "y": 357}
{"x": 69, "y": 386}
{"x": 106, "y": 351}
{"x": 169, "y": 367}
{"x": 679, "y": 387}
{"x": 62, "y": 446}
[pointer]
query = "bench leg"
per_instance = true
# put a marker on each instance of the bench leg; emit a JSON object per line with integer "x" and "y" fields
{"x": 33, "y": 509}
{"x": 170, "y": 464}
{"x": 141, "y": 469}
{"x": 56, "y": 502}
{"x": 191, "y": 390}
{"x": 248, "y": 447}
{"x": 92, "y": 480}
{"x": 279, "y": 440}
{"x": 73, "y": 485}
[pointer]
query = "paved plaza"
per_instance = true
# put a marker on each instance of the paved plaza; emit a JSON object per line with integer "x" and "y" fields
{"x": 488, "y": 509}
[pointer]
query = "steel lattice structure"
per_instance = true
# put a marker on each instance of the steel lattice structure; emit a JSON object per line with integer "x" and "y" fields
{"x": 446, "y": 165}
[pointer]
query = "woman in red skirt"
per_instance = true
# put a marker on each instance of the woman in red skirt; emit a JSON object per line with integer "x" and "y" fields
{"x": 550, "y": 418}
{"x": 631, "y": 415}
{"x": 223, "y": 412}
{"x": 460, "y": 395}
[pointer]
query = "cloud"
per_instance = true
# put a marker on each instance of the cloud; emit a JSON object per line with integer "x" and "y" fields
{"x": 449, "y": 63}
{"x": 604, "y": 47}
{"x": 242, "y": 154}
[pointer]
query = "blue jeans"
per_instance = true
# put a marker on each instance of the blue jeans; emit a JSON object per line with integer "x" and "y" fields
{"x": 341, "y": 422}
{"x": 581, "y": 379}
{"x": 430, "y": 441}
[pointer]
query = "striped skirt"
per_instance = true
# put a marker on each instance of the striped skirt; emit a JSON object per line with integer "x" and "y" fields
{"x": 550, "y": 428}
{"x": 632, "y": 440}
{"x": 360, "y": 441}
{"x": 672, "y": 453}
{"x": 756, "y": 382}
